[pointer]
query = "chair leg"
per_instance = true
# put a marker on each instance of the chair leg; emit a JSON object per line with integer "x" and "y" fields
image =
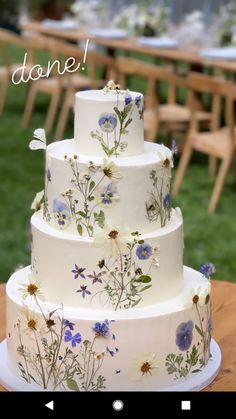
{"x": 62, "y": 120}
{"x": 220, "y": 180}
{"x": 212, "y": 165}
{"x": 152, "y": 130}
{"x": 3, "y": 95}
{"x": 184, "y": 160}
{"x": 52, "y": 112}
{"x": 29, "y": 106}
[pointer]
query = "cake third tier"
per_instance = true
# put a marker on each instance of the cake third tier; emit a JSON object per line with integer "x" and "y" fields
{"x": 82, "y": 193}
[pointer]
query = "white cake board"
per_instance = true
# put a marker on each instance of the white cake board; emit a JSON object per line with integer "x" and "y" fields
{"x": 195, "y": 383}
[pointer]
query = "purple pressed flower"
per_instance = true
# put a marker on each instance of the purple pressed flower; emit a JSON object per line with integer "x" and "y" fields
{"x": 117, "y": 371}
{"x": 174, "y": 148}
{"x": 78, "y": 272}
{"x": 144, "y": 251}
{"x": 96, "y": 277}
{"x": 209, "y": 325}
{"x": 113, "y": 336}
{"x": 167, "y": 201}
{"x": 128, "y": 99}
{"x": 60, "y": 358}
{"x": 184, "y": 335}
{"x": 207, "y": 269}
{"x": 112, "y": 353}
{"x": 107, "y": 195}
{"x": 48, "y": 174}
{"x": 59, "y": 206}
{"x": 116, "y": 350}
{"x": 74, "y": 339}
{"x": 67, "y": 323}
{"x": 102, "y": 329}
{"x": 137, "y": 101}
{"x": 83, "y": 289}
{"x": 107, "y": 122}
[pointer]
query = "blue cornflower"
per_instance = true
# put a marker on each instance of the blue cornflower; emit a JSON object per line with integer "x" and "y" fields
{"x": 207, "y": 269}
{"x": 128, "y": 99}
{"x": 102, "y": 329}
{"x": 144, "y": 251}
{"x": 84, "y": 291}
{"x": 137, "y": 101}
{"x": 184, "y": 335}
{"x": 107, "y": 122}
{"x": 78, "y": 272}
{"x": 68, "y": 337}
{"x": 167, "y": 201}
{"x": 67, "y": 323}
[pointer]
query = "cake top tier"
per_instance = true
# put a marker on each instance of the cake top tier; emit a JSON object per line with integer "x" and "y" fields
{"x": 109, "y": 123}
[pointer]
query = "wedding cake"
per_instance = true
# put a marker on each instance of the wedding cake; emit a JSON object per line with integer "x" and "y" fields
{"x": 106, "y": 303}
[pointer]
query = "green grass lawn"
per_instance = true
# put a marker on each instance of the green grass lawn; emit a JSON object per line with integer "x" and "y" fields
{"x": 207, "y": 237}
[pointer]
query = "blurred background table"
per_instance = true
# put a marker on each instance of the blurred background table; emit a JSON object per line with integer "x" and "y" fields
{"x": 180, "y": 54}
{"x": 224, "y": 332}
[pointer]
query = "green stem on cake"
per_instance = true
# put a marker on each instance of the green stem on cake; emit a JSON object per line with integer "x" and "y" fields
{"x": 203, "y": 335}
{"x": 41, "y": 362}
{"x": 23, "y": 354}
{"x": 90, "y": 352}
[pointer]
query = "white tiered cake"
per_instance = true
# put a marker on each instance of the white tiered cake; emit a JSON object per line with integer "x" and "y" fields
{"x": 107, "y": 304}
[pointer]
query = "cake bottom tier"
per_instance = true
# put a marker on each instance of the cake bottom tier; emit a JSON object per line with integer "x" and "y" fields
{"x": 146, "y": 349}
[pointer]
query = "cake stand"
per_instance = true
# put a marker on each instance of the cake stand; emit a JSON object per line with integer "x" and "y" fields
{"x": 195, "y": 383}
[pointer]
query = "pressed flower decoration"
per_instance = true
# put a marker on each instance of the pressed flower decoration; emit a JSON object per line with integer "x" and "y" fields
{"x": 158, "y": 206}
{"x": 144, "y": 366}
{"x": 32, "y": 289}
{"x": 114, "y": 125}
{"x": 193, "y": 358}
{"x": 61, "y": 213}
{"x": 97, "y": 189}
{"x": 60, "y": 357}
{"x": 39, "y": 143}
{"x": 125, "y": 272}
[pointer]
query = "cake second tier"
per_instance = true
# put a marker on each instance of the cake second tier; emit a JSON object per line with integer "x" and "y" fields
{"x": 82, "y": 193}
{"x": 115, "y": 269}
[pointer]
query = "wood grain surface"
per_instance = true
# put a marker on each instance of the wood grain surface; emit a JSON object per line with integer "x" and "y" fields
{"x": 224, "y": 331}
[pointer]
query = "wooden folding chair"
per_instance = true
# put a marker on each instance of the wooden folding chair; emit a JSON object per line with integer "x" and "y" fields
{"x": 155, "y": 113}
{"x": 93, "y": 62}
{"x": 218, "y": 143}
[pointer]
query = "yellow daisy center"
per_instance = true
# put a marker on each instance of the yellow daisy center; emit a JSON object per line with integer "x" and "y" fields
{"x": 166, "y": 163}
{"x": 32, "y": 324}
{"x": 146, "y": 368}
{"x": 32, "y": 289}
{"x": 113, "y": 234}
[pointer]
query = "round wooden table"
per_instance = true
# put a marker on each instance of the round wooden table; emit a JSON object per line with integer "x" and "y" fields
{"x": 224, "y": 332}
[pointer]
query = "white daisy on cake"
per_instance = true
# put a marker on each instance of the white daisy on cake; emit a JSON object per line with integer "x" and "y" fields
{"x": 32, "y": 288}
{"x": 199, "y": 295}
{"x": 31, "y": 322}
{"x": 112, "y": 238}
{"x": 166, "y": 156}
{"x": 144, "y": 366}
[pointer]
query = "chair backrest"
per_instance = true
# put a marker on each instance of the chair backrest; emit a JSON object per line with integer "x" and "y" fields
{"x": 10, "y": 38}
{"x": 218, "y": 88}
{"x": 152, "y": 73}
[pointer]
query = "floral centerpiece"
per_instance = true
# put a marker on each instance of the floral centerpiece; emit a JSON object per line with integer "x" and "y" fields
{"x": 191, "y": 30}
{"x": 224, "y": 25}
{"x": 91, "y": 12}
{"x": 143, "y": 19}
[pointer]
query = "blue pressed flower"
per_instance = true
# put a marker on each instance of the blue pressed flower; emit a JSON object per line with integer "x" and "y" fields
{"x": 137, "y": 101}
{"x": 48, "y": 174}
{"x": 167, "y": 201}
{"x": 102, "y": 329}
{"x": 207, "y": 269}
{"x": 74, "y": 339}
{"x": 144, "y": 251}
{"x": 174, "y": 148}
{"x": 184, "y": 335}
{"x": 96, "y": 277}
{"x": 78, "y": 272}
{"x": 59, "y": 206}
{"x": 67, "y": 323}
{"x": 112, "y": 353}
{"x": 84, "y": 291}
{"x": 128, "y": 99}
{"x": 108, "y": 195}
{"x": 209, "y": 325}
{"x": 107, "y": 122}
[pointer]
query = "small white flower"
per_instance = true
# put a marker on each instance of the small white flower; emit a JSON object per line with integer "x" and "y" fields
{"x": 197, "y": 295}
{"x": 38, "y": 200}
{"x": 166, "y": 157}
{"x": 154, "y": 258}
{"x": 112, "y": 238}
{"x": 144, "y": 366}
{"x": 32, "y": 323}
{"x": 32, "y": 288}
{"x": 111, "y": 170}
{"x": 39, "y": 140}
